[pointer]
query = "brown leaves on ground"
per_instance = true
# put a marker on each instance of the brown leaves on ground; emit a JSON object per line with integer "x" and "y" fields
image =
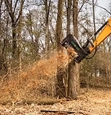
{"x": 37, "y": 80}
{"x": 94, "y": 102}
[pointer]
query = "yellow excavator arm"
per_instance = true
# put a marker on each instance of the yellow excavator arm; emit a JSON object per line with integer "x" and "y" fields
{"x": 105, "y": 32}
{"x": 82, "y": 51}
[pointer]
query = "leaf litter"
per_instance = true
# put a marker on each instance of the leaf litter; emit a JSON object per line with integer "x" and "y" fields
{"x": 39, "y": 76}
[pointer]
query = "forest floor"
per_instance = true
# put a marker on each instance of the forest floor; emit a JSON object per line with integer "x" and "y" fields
{"x": 24, "y": 94}
{"x": 93, "y": 102}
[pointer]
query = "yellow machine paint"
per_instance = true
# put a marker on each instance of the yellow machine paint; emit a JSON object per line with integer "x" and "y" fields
{"x": 83, "y": 51}
{"x": 102, "y": 35}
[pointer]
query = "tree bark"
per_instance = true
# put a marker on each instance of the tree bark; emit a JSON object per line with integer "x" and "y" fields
{"x": 47, "y": 10}
{"x": 3, "y": 64}
{"x": 1, "y": 1}
{"x": 69, "y": 16}
{"x": 68, "y": 32}
{"x": 59, "y": 24}
{"x": 60, "y": 88}
{"x": 73, "y": 81}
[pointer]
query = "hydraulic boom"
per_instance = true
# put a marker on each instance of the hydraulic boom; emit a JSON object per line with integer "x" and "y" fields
{"x": 82, "y": 51}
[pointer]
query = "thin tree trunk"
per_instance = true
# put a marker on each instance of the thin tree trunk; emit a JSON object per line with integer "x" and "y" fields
{"x": 20, "y": 43}
{"x": 59, "y": 24}
{"x": 69, "y": 16}
{"x": 1, "y": 1}
{"x": 68, "y": 32}
{"x": 94, "y": 29}
{"x": 3, "y": 64}
{"x": 47, "y": 9}
{"x": 60, "y": 88}
{"x": 14, "y": 41}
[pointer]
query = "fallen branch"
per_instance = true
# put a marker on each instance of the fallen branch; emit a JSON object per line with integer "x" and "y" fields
{"x": 66, "y": 112}
{"x": 54, "y": 111}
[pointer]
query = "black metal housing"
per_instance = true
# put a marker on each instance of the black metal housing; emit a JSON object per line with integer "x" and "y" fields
{"x": 82, "y": 51}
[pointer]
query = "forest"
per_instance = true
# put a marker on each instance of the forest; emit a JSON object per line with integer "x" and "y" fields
{"x": 40, "y": 77}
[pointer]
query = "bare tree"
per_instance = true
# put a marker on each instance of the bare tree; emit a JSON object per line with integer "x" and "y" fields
{"x": 69, "y": 16}
{"x": 14, "y": 10}
{"x": 69, "y": 9}
{"x": 1, "y": 1}
{"x": 73, "y": 82}
{"x": 47, "y": 12}
{"x": 34, "y": 32}
{"x": 3, "y": 66}
{"x": 60, "y": 89}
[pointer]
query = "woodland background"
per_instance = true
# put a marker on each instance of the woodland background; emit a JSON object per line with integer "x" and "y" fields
{"x": 30, "y": 35}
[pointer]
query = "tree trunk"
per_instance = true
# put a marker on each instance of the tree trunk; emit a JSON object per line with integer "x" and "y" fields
{"x": 68, "y": 32}
{"x": 60, "y": 88}
{"x": 73, "y": 82}
{"x": 94, "y": 29}
{"x": 14, "y": 41}
{"x": 47, "y": 10}
{"x": 69, "y": 16}
{"x": 3, "y": 64}
{"x": 59, "y": 24}
{"x": 20, "y": 26}
{"x": 1, "y": 1}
